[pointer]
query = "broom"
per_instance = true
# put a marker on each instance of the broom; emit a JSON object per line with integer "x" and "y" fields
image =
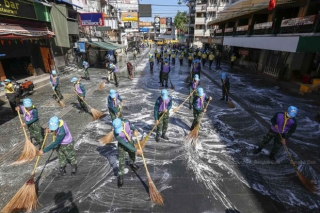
{"x": 193, "y": 135}
{"x": 60, "y": 102}
{"x": 178, "y": 108}
{"x": 29, "y": 151}
{"x": 95, "y": 113}
{"x": 144, "y": 141}
{"x": 230, "y": 103}
{"x": 102, "y": 85}
{"x": 107, "y": 138}
{"x": 26, "y": 198}
{"x": 172, "y": 87}
{"x": 155, "y": 195}
{"x": 309, "y": 184}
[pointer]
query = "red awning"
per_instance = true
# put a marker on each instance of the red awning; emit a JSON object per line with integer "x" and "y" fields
{"x": 14, "y": 31}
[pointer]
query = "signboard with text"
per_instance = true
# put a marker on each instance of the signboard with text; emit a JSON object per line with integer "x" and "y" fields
{"x": 92, "y": 19}
{"x": 169, "y": 22}
{"x": 18, "y": 8}
{"x": 156, "y": 22}
{"x": 133, "y": 16}
{"x": 127, "y": 25}
{"x": 298, "y": 21}
{"x": 265, "y": 25}
{"x": 163, "y": 26}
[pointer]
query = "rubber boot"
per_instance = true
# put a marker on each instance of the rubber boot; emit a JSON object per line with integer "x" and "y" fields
{"x": 164, "y": 137}
{"x": 134, "y": 167}
{"x": 272, "y": 158}
{"x": 157, "y": 138}
{"x": 62, "y": 171}
{"x": 120, "y": 181}
{"x": 256, "y": 151}
{"x": 74, "y": 169}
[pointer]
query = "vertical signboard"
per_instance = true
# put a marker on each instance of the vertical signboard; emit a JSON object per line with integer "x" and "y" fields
{"x": 156, "y": 22}
{"x": 163, "y": 26}
{"x": 169, "y": 22}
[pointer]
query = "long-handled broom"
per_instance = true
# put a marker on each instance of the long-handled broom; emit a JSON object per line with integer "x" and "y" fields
{"x": 60, "y": 102}
{"x": 95, "y": 113}
{"x": 193, "y": 135}
{"x": 230, "y": 102}
{"x": 29, "y": 151}
{"x": 107, "y": 138}
{"x": 309, "y": 184}
{"x": 178, "y": 108}
{"x": 144, "y": 140}
{"x": 155, "y": 195}
{"x": 102, "y": 85}
{"x": 26, "y": 198}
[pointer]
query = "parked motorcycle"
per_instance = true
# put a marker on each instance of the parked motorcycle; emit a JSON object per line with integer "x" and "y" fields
{"x": 24, "y": 89}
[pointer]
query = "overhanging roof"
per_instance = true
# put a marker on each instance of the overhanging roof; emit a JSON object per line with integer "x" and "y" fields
{"x": 105, "y": 45}
{"x": 66, "y": 1}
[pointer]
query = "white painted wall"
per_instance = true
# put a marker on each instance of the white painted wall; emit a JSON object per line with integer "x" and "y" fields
{"x": 287, "y": 44}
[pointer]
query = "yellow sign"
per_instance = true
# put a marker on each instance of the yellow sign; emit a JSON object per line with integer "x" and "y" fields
{"x": 133, "y": 16}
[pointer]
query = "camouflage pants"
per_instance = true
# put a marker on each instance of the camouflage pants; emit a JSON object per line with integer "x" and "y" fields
{"x": 122, "y": 157}
{"x": 163, "y": 124}
{"x": 196, "y": 118}
{"x": 82, "y": 104}
{"x": 57, "y": 90}
{"x": 36, "y": 132}
{"x": 86, "y": 73}
{"x": 113, "y": 115}
{"x": 191, "y": 97}
{"x": 276, "y": 141}
{"x": 67, "y": 153}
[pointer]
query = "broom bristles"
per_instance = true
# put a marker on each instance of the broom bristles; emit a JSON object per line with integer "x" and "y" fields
{"x": 193, "y": 135}
{"x": 231, "y": 104}
{"x": 29, "y": 152}
{"x": 96, "y": 114}
{"x": 155, "y": 195}
{"x": 142, "y": 143}
{"x": 107, "y": 138}
{"x": 24, "y": 200}
{"x": 102, "y": 85}
{"x": 309, "y": 184}
{"x": 172, "y": 87}
{"x": 62, "y": 104}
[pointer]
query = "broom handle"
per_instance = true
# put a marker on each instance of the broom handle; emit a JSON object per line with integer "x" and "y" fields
{"x": 38, "y": 158}
{"x": 56, "y": 95}
{"x": 82, "y": 99}
{"x": 144, "y": 161}
{"x": 203, "y": 113}
{"x": 225, "y": 89}
{"x": 286, "y": 148}
{"x": 155, "y": 125}
{"x": 24, "y": 129}
{"x": 186, "y": 99}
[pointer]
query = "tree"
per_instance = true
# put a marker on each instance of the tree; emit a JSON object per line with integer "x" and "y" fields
{"x": 180, "y": 21}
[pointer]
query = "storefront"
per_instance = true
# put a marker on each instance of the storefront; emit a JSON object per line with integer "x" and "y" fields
{"x": 24, "y": 36}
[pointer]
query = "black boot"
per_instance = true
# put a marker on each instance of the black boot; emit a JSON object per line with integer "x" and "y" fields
{"x": 272, "y": 158}
{"x": 120, "y": 181}
{"x": 62, "y": 171}
{"x": 164, "y": 137}
{"x": 166, "y": 85}
{"x": 134, "y": 167}
{"x": 256, "y": 151}
{"x": 227, "y": 98}
{"x": 162, "y": 85}
{"x": 74, "y": 169}
{"x": 190, "y": 106}
{"x": 157, "y": 138}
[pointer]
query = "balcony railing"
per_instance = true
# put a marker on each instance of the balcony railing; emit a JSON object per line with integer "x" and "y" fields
{"x": 307, "y": 24}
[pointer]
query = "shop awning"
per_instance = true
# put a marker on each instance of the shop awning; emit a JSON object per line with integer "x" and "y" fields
{"x": 116, "y": 45}
{"x": 65, "y": 1}
{"x": 104, "y": 45}
{"x": 17, "y": 31}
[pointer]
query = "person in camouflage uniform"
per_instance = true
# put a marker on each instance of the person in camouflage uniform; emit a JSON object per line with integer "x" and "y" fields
{"x": 81, "y": 91}
{"x": 54, "y": 81}
{"x": 283, "y": 123}
{"x": 62, "y": 141}
{"x": 30, "y": 114}
{"x": 162, "y": 105}
{"x": 115, "y": 105}
{"x": 193, "y": 87}
{"x": 85, "y": 66}
{"x": 123, "y": 134}
{"x": 199, "y": 106}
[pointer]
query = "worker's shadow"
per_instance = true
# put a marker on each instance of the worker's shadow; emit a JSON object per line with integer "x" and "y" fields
{"x": 110, "y": 152}
{"x": 64, "y": 203}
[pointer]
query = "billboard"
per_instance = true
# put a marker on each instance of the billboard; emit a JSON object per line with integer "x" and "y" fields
{"x": 132, "y": 16}
{"x": 92, "y": 19}
{"x": 145, "y": 10}
{"x": 169, "y": 22}
{"x": 18, "y": 8}
{"x": 81, "y": 47}
{"x": 156, "y": 22}
{"x": 124, "y": 5}
{"x": 163, "y": 26}
{"x": 134, "y": 25}
{"x": 127, "y": 25}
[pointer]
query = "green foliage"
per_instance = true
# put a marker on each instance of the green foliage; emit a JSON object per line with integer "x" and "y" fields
{"x": 180, "y": 20}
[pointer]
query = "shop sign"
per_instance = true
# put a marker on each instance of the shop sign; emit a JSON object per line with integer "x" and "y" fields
{"x": 82, "y": 47}
{"x": 216, "y": 40}
{"x": 228, "y": 30}
{"x": 243, "y": 28}
{"x": 18, "y": 8}
{"x": 92, "y": 19}
{"x": 204, "y": 40}
{"x": 219, "y": 31}
{"x": 157, "y": 22}
{"x": 298, "y": 21}
{"x": 134, "y": 25}
{"x": 265, "y": 25}
{"x": 133, "y": 16}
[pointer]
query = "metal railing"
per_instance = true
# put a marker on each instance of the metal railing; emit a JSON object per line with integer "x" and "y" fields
{"x": 271, "y": 71}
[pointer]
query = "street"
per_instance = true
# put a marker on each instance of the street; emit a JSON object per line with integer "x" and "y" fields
{"x": 218, "y": 174}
